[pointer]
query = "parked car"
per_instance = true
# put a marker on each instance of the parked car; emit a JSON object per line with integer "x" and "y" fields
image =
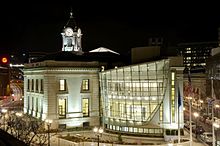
{"x": 206, "y": 137}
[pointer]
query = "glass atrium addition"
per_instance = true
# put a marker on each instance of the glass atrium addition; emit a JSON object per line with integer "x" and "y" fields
{"x": 132, "y": 97}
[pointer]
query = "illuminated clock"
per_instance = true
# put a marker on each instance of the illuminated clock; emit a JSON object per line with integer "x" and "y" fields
{"x": 68, "y": 32}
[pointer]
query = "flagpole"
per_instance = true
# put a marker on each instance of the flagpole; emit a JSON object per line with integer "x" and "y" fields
{"x": 179, "y": 104}
{"x": 212, "y": 104}
{"x": 190, "y": 121}
{"x": 190, "y": 108}
{"x": 178, "y": 125}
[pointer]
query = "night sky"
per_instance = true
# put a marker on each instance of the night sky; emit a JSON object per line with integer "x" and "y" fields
{"x": 112, "y": 24}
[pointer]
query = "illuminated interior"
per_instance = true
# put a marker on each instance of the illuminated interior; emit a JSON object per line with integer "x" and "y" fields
{"x": 62, "y": 108}
{"x": 132, "y": 95}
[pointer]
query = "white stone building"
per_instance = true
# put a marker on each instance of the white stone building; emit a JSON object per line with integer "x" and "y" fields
{"x": 65, "y": 92}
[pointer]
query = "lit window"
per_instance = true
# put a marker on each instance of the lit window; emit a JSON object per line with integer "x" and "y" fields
{"x": 188, "y": 58}
{"x": 62, "y": 85}
{"x": 85, "y": 107}
{"x": 85, "y": 84}
{"x": 173, "y": 75}
{"x": 188, "y": 51}
{"x": 62, "y": 108}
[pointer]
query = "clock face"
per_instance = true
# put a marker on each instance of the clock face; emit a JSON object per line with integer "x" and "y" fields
{"x": 68, "y": 32}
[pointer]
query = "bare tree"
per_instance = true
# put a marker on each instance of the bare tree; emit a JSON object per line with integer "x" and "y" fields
{"x": 27, "y": 129}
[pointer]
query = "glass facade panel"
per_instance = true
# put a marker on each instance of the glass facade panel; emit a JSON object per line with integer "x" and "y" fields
{"x": 133, "y": 94}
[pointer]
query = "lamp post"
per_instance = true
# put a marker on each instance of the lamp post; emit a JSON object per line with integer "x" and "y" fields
{"x": 190, "y": 119}
{"x": 213, "y": 122}
{"x": 49, "y": 122}
{"x": 98, "y": 132}
{"x": 196, "y": 115}
{"x": 4, "y": 111}
{"x": 215, "y": 125}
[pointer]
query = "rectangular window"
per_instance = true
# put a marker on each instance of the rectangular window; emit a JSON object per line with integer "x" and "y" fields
{"x": 85, "y": 85}
{"x": 62, "y": 108}
{"x": 41, "y": 85}
{"x": 32, "y": 85}
{"x": 85, "y": 107}
{"x": 62, "y": 85}
{"x": 36, "y": 84}
{"x": 36, "y": 104}
{"x": 32, "y": 104}
{"x": 36, "y": 107}
{"x": 28, "y": 102}
{"x": 28, "y": 85}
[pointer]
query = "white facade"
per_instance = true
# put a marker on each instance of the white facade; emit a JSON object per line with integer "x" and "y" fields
{"x": 44, "y": 96}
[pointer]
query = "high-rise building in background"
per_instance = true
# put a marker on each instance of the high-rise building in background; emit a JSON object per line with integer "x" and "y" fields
{"x": 195, "y": 54}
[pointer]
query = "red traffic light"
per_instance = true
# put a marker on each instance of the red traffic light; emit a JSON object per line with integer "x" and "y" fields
{"x": 4, "y": 60}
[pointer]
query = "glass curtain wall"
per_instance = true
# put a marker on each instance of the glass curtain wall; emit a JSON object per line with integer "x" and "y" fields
{"x": 132, "y": 95}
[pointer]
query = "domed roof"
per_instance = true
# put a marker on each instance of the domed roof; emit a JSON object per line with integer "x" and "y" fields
{"x": 71, "y": 22}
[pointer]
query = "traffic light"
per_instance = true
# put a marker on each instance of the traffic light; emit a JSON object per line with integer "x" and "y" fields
{"x": 4, "y": 60}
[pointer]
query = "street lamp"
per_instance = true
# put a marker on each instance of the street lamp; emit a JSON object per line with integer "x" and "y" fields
{"x": 98, "y": 132}
{"x": 4, "y": 111}
{"x": 49, "y": 122}
{"x": 196, "y": 115}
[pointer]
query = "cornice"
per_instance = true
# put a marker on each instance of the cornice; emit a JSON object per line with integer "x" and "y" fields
{"x": 61, "y": 70}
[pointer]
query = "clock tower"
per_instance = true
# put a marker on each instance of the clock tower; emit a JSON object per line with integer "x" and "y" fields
{"x": 71, "y": 36}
